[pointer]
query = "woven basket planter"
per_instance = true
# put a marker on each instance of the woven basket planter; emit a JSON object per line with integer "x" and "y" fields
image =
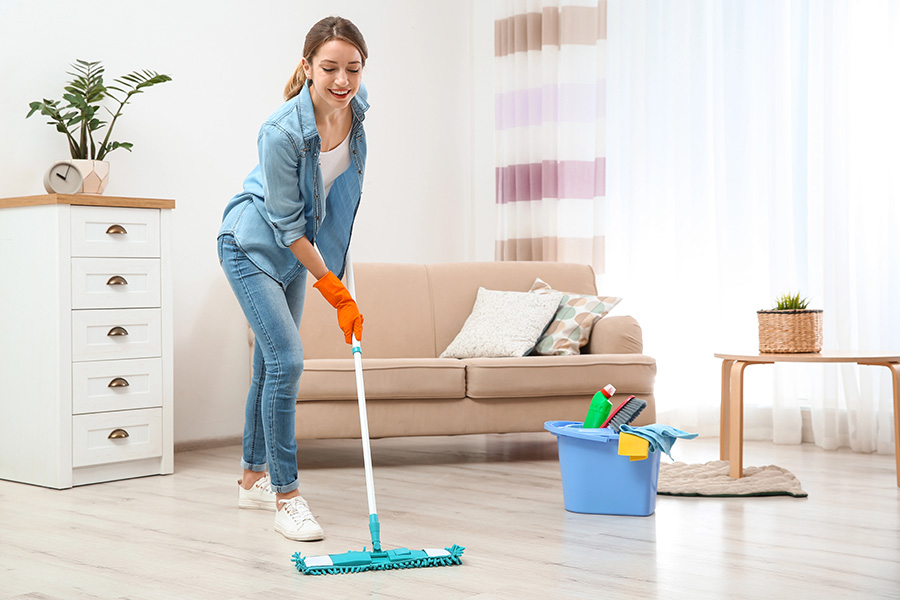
{"x": 790, "y": 331}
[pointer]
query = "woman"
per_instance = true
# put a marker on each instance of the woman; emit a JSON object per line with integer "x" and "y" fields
{"x": 294, "y": 217}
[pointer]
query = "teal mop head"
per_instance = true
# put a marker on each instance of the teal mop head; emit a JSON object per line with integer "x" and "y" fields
{"x": 357, "y": 562}
{"x": 377, "y": 559}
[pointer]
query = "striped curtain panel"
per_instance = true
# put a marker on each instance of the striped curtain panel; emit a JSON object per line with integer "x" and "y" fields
{"x": 551, "y": 125}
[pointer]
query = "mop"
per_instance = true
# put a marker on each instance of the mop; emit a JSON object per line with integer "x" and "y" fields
{"x": 376, "y": 559}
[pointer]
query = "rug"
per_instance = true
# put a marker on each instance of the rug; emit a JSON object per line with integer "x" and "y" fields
{"x": 711, "y": 479}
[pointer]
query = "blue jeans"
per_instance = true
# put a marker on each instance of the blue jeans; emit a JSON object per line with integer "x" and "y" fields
{"x": 274, "y": 315}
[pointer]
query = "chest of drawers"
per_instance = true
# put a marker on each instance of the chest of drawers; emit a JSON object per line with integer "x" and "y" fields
{"x": 86, "y": 390}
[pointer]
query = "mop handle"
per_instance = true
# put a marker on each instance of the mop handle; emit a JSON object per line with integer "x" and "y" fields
{"x": 361, "y": 399}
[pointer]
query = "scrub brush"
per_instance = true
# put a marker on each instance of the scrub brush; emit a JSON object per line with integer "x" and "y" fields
{"x": 624, "y": 413}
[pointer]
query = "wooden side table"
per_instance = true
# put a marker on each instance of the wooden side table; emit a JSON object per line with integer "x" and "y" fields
{"x": 731, "y": 426}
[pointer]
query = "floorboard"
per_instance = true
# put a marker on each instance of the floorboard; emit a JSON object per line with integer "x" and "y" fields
{"x": 182, "y": 536}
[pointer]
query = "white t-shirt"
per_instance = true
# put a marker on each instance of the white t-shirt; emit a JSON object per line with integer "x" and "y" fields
{"x": 334, "y": 162}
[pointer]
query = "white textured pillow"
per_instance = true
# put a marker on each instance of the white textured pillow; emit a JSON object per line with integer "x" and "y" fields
{"x": 503, "y": 324}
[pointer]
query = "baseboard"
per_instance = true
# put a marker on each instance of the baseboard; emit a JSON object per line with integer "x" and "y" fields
{"x": 218, "y": 442}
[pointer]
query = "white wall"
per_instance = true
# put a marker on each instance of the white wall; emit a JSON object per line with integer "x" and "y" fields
{"x": 429, "y": 180}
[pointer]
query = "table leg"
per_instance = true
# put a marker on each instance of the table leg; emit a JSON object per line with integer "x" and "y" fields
{"x": 895, "y": 375}
{"x": 895, "y": 378}
{"x": 736, "y": 420}
{"x": 724, "y": 410}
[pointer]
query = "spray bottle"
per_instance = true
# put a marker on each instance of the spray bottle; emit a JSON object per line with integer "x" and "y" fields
{"x": 600, "y": 407}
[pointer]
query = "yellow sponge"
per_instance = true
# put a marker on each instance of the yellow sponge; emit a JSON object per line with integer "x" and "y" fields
{"x": 633, "y": 446}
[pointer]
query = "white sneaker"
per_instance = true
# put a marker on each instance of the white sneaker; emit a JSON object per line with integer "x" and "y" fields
{"x": 294, "y": 521}
{"x": 260, "y": 495}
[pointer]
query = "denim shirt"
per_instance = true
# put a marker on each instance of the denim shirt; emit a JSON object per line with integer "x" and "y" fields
{"x": 284, "y": 199}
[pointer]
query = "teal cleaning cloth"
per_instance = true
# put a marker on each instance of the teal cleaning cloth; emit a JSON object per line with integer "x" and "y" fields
{"x": 661, "y": 437}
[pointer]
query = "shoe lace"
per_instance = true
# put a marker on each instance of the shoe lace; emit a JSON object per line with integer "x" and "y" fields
{"x": 297, "y": 509}
{"x": 264, "y": 483}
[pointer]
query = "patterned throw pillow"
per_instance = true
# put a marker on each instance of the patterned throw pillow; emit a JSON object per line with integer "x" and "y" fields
{"x": 571, "y": 327}
{"x": 503, "y": 324}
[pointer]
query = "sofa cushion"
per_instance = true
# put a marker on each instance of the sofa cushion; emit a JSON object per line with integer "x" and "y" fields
{"x": 540, "y": 376}
{"x": 395, "y": 300}
{"x": 419, "y": 378}
{"x": 503, "y": 324}
{"x": 454, "y": 287}
{"x": 570, "y": 328}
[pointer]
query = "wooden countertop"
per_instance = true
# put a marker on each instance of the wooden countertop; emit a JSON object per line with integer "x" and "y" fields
{"x": 86, "y": 200}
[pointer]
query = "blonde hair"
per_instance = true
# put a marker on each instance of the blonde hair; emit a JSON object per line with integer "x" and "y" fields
{"x": 329, "y": 28}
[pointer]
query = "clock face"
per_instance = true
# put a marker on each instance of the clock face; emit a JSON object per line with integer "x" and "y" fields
{"x": 63, "y": 178}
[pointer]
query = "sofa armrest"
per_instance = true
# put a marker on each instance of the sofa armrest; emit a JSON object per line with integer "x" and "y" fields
{"x": 616, "y": 335}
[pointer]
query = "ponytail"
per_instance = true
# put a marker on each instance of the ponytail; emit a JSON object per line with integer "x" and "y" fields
{"x": 295, "y": 83}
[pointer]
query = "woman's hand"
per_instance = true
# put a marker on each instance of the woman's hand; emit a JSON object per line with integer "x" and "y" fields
{"x": 349, "y": 319}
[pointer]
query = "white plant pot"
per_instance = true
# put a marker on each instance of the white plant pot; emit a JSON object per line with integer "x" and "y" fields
{"x": 95, "y": 174}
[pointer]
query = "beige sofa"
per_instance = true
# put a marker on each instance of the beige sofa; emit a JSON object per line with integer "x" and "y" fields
{"x": 412, "y": 313}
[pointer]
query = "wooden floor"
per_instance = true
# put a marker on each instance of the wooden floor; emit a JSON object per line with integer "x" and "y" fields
{"x": 183, "y": 537}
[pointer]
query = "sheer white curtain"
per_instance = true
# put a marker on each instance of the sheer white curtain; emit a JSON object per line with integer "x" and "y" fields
{"x": 752, "y": 151}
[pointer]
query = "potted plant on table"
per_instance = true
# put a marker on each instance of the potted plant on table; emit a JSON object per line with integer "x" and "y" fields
{"x": 79, "y": 118}
{"x": 790, "y": 327}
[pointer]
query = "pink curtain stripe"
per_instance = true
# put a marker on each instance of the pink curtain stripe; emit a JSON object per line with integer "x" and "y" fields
{"x": 566, "y": 102}
{"x": 551, "y": 179}
{"x": 553, "y": 106}
{"x": 553, "y": 248}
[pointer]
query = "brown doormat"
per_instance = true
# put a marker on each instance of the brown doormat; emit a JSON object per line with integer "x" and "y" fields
{"x": 711, "y": 479}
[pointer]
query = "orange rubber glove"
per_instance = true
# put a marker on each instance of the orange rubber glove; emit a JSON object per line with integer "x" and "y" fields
{"x": 349, "y": 319}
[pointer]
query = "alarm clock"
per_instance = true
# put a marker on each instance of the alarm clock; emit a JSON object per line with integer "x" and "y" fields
{"x": 63, "y": 178}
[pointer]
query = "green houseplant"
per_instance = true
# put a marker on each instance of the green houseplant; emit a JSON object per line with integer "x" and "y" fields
{"x": 78, "y": 115}
{"x": 790, "y": 327}
{"x": 789, "y": 302}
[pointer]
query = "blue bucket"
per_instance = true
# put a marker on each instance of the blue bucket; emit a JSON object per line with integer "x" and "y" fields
{"x": 596, "y": 479}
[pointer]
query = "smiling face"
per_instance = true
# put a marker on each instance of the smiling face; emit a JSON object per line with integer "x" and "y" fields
{"x": 336, "y": 74}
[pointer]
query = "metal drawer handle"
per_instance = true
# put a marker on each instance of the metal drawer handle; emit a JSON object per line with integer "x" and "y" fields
{"x": 117, "y": 280}
{"x": 118, "y": 382}
{"x": 117, "y": 434}
{"x": 117, "y": 331}
{"x": 116, "y": 230}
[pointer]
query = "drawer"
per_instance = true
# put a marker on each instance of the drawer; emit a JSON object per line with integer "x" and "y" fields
{"x": 115, "y": 283}
{"x": 109, "y": 385}
{"x": 117, "y": 436}
{"x": 116, "y": 334}
{"x": 109, "y": 231}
